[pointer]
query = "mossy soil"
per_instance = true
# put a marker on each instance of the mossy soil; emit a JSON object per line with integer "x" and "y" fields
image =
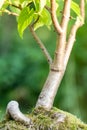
{"x": 54, "y": 119}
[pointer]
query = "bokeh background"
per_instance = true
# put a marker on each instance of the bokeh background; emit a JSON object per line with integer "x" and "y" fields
{"x": 23, "y": 69}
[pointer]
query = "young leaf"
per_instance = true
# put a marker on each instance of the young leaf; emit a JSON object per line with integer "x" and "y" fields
{"x": 75, "y": 7}
{"x": 15, "y": 2}
{"x": 25, "y": 19}
{"x": 14, "y": 10}
{"x": 36, "y": 4}
{"x": 44, "y": 19}
{"x": 39, "y": 5}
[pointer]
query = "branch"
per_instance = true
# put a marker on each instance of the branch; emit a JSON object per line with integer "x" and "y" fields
{"x": 79, "y": 22}
{"x": 54, "y": 17}
{"x": 66, "y": 15}
{"x": 41, "y": 45}
{"x": 18, "y": 7}
{"x": 47, "y": 8}
{"x": 61, "y": 41}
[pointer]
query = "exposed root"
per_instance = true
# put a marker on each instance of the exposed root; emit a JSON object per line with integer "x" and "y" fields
{"x": 14, "y": 112}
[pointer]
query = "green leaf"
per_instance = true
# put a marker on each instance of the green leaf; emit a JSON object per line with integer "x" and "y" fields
{"x": 25, "y": 3}
{"x": 21, "y": 1}
{"x": 15, "y": 10}
{"x": 15, "y": 2}
{"x": 37, "y": 5}
{"x": 29, "y": 1}
{"x": 75, "y": 7}
{"x": 25, "y": 19}
{"x": 38, "y": 24}
{"x": 48, "y": 2}
{"x": 44, "y": 19}
{"x": 45, "y": 16}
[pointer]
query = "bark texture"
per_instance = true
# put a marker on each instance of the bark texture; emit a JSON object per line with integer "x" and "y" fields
{"x": 54, "y": 119}
{"x": 49, "y": 90}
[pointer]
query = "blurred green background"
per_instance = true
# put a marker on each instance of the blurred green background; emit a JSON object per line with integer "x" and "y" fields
{"x": 23, "y": 69}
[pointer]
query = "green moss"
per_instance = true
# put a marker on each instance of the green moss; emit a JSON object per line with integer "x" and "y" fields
{"x": 12, "y": 125}
{"x": 54, "y": 119}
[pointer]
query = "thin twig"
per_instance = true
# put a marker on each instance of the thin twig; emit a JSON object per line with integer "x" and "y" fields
{"x": 56, "y": 24}
{"x": 9, "y": 12}
{"x": 41, "y": 45}
{"x": 47, "y": 8}
{"x": 79, "y": 22}
{"x": 18, "y": 7}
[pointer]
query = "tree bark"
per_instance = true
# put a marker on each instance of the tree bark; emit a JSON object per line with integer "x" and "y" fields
{"x": 49, "y": 90}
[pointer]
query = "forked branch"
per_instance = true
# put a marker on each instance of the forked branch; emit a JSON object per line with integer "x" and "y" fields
{"x": 61, "y": 40}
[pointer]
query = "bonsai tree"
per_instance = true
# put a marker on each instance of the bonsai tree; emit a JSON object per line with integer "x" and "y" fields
{"x": 35, "y": 14}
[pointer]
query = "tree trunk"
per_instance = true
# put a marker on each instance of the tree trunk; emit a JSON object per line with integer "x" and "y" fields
{"x": 49, "y": 90}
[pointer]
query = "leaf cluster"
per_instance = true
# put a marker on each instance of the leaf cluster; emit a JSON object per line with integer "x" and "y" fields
{"x": 33, "y": 12}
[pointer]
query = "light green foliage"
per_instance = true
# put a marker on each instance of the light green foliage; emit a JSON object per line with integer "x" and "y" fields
{"x": 44, "y": 19}
{"x": 75, "y": 7}
{"x": 36, "y": 12}
{"x": 25, "y": 19}
{"x": 33, "y": 12}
